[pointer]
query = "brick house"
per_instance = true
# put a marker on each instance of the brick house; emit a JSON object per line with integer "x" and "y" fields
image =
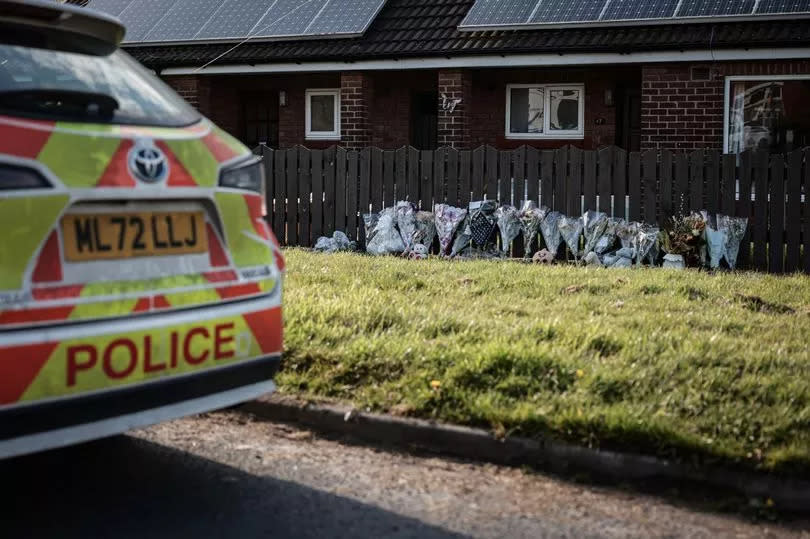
{"x": 415, "y": 78}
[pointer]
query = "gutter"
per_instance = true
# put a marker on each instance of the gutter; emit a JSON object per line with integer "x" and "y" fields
{"x": 502, "y": 60}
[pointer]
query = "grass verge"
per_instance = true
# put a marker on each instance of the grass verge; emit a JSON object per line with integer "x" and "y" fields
{"x": 685, "y": 365}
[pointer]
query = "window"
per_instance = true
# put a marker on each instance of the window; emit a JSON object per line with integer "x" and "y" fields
{"x": 545, "y": 111}
{"x": 52, "y": 84}
{"x": 767, "y": 113}
{"x": 323, "y": 114}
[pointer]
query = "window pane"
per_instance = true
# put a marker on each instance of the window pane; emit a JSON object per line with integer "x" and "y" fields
{"x": 564, "y": 110}
{"x": 769, "y": 115}
{"x": 526, "y": 110}
{"x": 322, "y": 108}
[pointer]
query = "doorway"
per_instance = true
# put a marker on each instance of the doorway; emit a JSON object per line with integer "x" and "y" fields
{"x": 628, "y": 116}
{"x": 424, "y": 120}
{"x": 260, "y": 119}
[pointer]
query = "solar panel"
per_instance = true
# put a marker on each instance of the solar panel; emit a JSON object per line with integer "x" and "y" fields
{"x": 235, "y": 20}
{"x": 112, "y": 7}
{"x": 783, "y": 6}
{"x": 633, "y": 9}
{"x": 161, "y": 21}
{"x": 582, "y": 10}
{"x": 184, "y": 20}
{"x": 511, "y": 14}
{"x": 289, "y": 18}
{"x": 140, "y": 16}
{"x": 713, "y": 8}
{"x": 500, "y": 12}
{"x": 341, "y": 18}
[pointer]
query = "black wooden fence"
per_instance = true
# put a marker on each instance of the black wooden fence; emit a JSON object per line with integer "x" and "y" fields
{"x": 315, "y": 192}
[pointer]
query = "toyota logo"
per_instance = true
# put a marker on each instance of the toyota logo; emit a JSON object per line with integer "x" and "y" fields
{"x": 148, "y": 163}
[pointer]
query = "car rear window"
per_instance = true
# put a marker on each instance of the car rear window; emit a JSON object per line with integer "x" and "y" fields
{"x": 45, "y": 83}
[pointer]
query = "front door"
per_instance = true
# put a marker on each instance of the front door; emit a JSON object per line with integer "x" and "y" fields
{"x": 628, "y": 135}
{"x": 260, "y": 119}
{"x": 425, "y": 120}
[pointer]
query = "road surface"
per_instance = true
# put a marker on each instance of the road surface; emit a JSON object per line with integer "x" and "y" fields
{"x": 226, "y": 475}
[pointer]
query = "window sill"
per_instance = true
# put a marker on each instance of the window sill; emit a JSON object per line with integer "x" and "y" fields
{"x": 323, "y": 137}
{"x": 513, "y": 136}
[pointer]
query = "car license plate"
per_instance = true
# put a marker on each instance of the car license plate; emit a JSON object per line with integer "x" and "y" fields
{"x": 115, "y": 236}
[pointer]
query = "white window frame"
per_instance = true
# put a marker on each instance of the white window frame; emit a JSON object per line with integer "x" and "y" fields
{"x": 747, "y": 78}
{"x": 322, "y": 135}
{"x": 574, "y": 134}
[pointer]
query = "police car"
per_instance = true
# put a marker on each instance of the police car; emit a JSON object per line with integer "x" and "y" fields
{"x": 138, "y": 279}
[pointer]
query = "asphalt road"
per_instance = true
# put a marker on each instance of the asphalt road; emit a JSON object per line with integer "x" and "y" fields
{"x": 224, "y": 475}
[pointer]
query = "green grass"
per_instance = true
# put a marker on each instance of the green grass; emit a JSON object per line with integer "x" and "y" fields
{"x": 687, "y": 365}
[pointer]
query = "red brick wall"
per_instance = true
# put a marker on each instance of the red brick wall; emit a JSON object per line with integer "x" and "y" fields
{"x": 194, "y": 89}
{"x": 454, "y": 125}
{"x": 682, "y": 104}
{"x": 487, "y": 114}
{"x": 391, "y": 108}
{"x": 356, "y": 96}
{"x": 227, "y": 92}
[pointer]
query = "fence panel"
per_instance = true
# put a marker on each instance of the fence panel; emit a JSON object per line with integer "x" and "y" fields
{"x": 504, "y": 195}
{"x": 352, "y": 186}
{"x": 745, "y": 208}
{"x": 401, "y": 168}
{"x": 533, "y": 175}
{"x": 280, "y": 193}
{"x": 292, "y": 196}
{"x": 478, "y": 166}
{"x": 363, "y": 191}
{"x": 315, "y": 192}
{"x": 547, "y": 178}
{"x": 451, "y": 163}
{"x": 491, "y": 171}
{"x": 304, "y": 193}
{"x": 389, "y": 194}
{"x": 634, "y": 186}
{"x": 560, "y": 179}
{"x": 519, "y": 174}
{"x": 376, "y": 180}
{"x": 589, "y": 180}
{"x": 426, "y": 179}
{"x": 620, "y": 183}
{"x": 573, "y": 192}
{"x": 465, "y": 179}
{"x": 806, "y": 212}
{"x": 760, "y": 221}
{"x": 413, "y": 175}
{"x": 665, "y": 188}
{"x": 316, "y": 210}
{"x": 776, "y": 215}
{"x": 697, "y": 163}
{"x": 604, "y": 182}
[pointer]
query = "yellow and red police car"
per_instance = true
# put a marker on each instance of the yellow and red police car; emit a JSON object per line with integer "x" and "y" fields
{"x": 138, "y": 279}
